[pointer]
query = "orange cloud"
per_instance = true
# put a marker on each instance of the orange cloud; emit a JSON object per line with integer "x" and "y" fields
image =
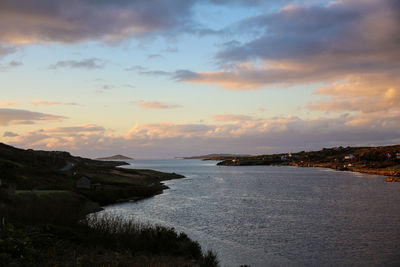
{"x": 154, "y": 105}
{"x": 8, "y": 104}
{"x": 279, "y": 134}
{"x": 50, "y": 103}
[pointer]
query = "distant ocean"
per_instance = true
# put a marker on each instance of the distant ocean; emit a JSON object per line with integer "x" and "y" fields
{"x": 277, "y": 216}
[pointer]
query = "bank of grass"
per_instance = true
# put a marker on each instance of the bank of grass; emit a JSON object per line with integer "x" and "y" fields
{"x": 51, "y": 229}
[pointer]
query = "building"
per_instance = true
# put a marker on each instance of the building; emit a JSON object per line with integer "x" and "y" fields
{"x": 83, "y": 183}
{"x": 398, "y": 155}
{"x": 349, "y": 157}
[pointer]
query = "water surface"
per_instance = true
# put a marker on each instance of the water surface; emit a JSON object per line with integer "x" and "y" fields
{"x": 277, "y": 216}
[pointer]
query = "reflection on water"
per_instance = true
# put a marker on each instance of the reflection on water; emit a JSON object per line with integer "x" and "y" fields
{"x": 274, "y": 216}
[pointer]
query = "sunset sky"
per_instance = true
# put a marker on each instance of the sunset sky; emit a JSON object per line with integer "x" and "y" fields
{"x": 157, "y": 78}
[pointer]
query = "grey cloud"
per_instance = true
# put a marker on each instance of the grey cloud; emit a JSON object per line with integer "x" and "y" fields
{"x": 89, "y": 63}
{"x": 308, "y": 44}
{"x": 12, "y": 64}
{"x": 77, "y": 129}
{"x": 363, "y": 31}
{"x": 75, "y": 21}
{"x": 9, "y": 134}
{"x": 19, "y": 116}
{"x": 135, "y": 68}
{"x": 6, "y": 49}
{"x": 155, "y": 56}
{"x": 155, "y": 73}
{"x": 111, "y": 21}
{"x": 15, "y": 63}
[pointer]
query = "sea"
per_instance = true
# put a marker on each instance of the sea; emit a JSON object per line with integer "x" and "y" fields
{"x": 276, "y": 215}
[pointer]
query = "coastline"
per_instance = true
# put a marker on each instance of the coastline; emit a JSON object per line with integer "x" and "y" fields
{"x": 384, "y": 161}
{"x": 45, "y": 197}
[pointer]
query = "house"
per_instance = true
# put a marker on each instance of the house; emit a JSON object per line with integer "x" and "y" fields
{"x": 83, "y": 183}
{"x": 96, "y": 186}
{"x": 286, "y": 157}
{"x": 349, "y": 157}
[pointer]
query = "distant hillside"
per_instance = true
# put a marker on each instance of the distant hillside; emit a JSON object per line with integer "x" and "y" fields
{"x": 383, "y": 160}
{"x": 115, "y": 157}
{"x": 215, "y": 156}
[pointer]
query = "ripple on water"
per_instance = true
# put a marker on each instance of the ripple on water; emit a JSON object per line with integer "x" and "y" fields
{"x": 277, "y": 216}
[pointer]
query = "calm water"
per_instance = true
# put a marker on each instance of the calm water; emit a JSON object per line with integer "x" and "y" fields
{"x": 277, "y": 216}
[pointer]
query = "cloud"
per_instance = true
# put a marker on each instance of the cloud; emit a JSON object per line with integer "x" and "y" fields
{"x": 232, "y": 117}
{"x": 135, "y": 68}
{"x": 8, "y": 104}
{"x": 89, "y": 63}
{"x": 51, "y": 103}
{"x": 86, "y": 128}
{"x": 308, "y": 44}
{"x": 365, "y": 93}
{"x": 7, "y": 49}
{"x": 70, "y": 138}
{"x": 64, "y": 21}
{"x": 9, "y": 134}
{"x": 154, "y": 56}
{"x": 167, "y": 139}
{"x": 155, "y": 73}
{"x": 19, "y": 116}
{"x": 12, "y": 64}
{"x": 154, "y": 105}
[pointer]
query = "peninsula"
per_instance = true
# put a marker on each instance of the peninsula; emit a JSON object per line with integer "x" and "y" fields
{"x": 45, "y": 197}
{"x": 382, "y": 160}
{"x": 115, "y": 157}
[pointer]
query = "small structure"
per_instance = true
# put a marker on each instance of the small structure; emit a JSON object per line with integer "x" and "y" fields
{"x": 398, "y": 155}
{"x": 97, "y": 186}
{"x": 286, "y": 157}
{"x": 349, "y": 157}
{"x": 83, "y": 183}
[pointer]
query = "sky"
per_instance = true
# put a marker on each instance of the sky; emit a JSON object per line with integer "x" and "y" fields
{"x": 160, "y": 79}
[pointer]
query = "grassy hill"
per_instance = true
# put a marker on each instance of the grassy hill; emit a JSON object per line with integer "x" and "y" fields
{"x": 44, "y": 222}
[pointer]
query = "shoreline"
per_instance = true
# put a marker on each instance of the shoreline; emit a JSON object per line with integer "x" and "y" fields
{"x": 384, "y": 161}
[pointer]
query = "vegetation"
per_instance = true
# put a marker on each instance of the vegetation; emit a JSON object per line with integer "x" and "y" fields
{"x": 44, "y": 216}
{"x": 93, "y": 241}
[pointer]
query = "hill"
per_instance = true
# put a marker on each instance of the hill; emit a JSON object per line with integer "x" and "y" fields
{"x": 115, "y": 157}
{"x": 219, "y": 156}
{"x": 45, "y": 197}
{"x": 382, "y": 160}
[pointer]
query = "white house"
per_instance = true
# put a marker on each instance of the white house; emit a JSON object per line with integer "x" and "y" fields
{"x": 349, "y": 157}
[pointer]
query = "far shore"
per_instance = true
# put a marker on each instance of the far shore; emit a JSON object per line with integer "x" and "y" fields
{"x": 383, "y": 160}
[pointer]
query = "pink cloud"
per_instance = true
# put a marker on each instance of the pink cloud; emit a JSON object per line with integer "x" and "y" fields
{"x": 9, "y": 104}
{"x": 50, "y": 103}
{"x": 154, "y": 105}
{"x": 232, "y": 117}
{"x": 167, "y": 139}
